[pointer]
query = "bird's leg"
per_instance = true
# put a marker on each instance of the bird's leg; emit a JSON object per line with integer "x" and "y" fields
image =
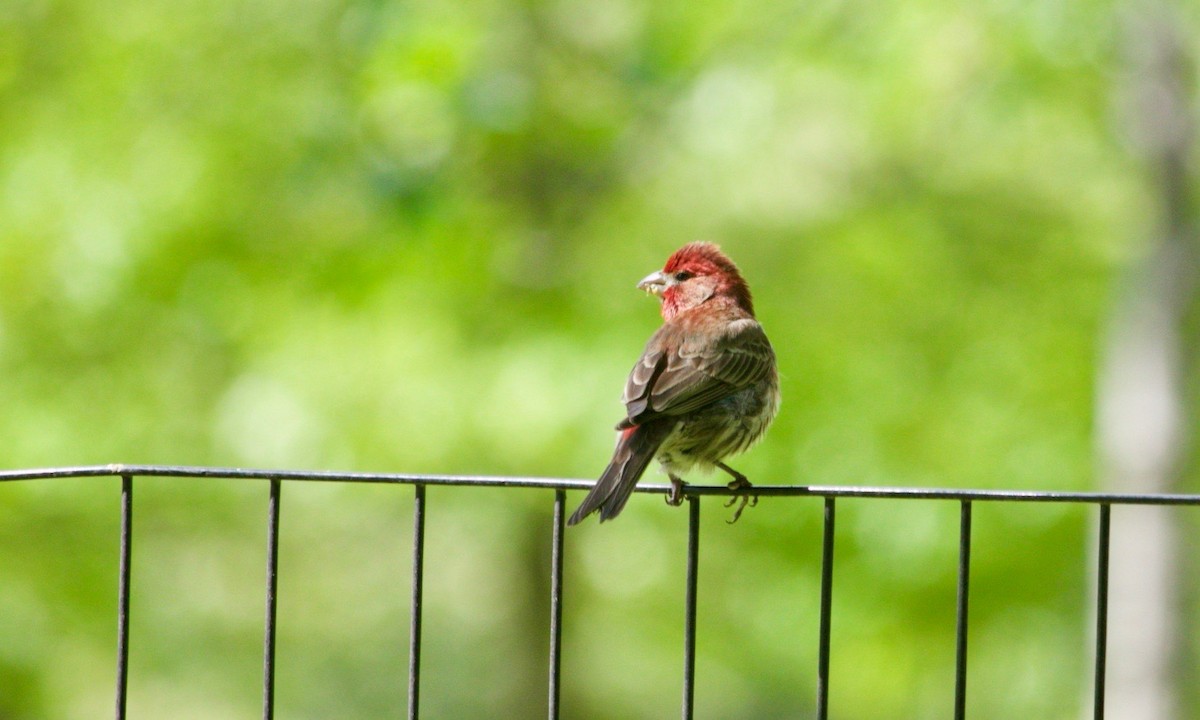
{"x": 739, "y": 482}
{"x": 675, "y": 497}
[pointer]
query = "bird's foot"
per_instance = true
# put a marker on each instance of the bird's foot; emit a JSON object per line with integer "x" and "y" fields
{"x": 740, "y": 482}
{"x": 675, "y": 497}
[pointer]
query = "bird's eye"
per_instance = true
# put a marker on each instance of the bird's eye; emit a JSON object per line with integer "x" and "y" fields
{"x": 683, "y": 275}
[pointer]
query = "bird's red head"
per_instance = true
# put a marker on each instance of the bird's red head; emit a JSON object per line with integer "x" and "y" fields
{"x": 695, "y": 273}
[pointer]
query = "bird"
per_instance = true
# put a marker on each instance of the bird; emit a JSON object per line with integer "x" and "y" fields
{"x": 706, "y": 386}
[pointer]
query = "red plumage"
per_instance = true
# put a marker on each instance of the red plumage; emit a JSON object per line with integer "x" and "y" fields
{"x": 705, "y": 387}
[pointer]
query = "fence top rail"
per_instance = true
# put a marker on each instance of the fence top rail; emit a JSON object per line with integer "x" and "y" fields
{"x": 817, "y": 491}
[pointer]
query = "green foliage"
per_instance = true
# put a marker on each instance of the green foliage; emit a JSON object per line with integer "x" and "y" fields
{"x": 404, "y": 237}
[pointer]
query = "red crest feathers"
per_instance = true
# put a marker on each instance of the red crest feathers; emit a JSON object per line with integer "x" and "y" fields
{"x": 705, "y": 258}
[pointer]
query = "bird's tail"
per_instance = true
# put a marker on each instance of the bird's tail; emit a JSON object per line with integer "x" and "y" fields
{"x": 635, "y": 449}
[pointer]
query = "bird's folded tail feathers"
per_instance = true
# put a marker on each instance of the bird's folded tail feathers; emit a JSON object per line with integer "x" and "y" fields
{"x": 635, "y": 449}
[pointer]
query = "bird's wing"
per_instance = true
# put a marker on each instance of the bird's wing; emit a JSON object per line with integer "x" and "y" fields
{"x": 680, "y": 372}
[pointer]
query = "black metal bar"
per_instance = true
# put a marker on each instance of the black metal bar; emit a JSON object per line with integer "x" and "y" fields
{"x": 826, "y": 612}
{"x": 896, "y": 493}
{"x": 689, "y": 615}
{"x": 272, "y": 588}
{"x": 556, "y": 582}
{"x": 123, "y": 576}
{"x": 960, "y": 631}
{"x": 418, "y": 584}
{"x": 1101, "y": 609}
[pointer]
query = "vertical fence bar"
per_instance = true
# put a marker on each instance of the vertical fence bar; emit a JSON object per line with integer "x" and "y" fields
{"x": 964, "y": 586}
{"x": 556, "y": 581}
{"x": 826, "y": 613}
{"x": 1101, "y": 609}
{"x": 418, "y": 584}
{"x": 689, "y": 615}
{"x": 123, "y": 594}
{"x": 272, "y": 588}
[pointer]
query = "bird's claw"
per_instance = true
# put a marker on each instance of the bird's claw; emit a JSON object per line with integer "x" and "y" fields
{"x": 674, "y": 498}
{"x": 740, "y": 483}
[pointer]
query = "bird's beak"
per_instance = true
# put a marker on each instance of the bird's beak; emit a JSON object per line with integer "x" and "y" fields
{"x": 654, "y": 283}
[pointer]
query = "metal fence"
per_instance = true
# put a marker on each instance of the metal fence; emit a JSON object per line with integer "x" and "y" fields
{"x": 694, "y": 493}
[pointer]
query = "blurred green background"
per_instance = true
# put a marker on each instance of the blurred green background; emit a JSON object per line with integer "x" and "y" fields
{"x": 404, "y": 236}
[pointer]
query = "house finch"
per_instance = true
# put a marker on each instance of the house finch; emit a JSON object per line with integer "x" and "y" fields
{"x": 704, "y": 388}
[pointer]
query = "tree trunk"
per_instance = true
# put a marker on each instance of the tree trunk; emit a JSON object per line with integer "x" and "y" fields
{"x": 1145, "y": 403}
